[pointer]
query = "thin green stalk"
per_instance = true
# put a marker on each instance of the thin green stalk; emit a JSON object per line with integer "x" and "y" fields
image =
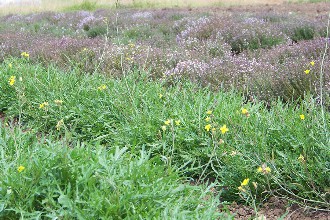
{"x": 321, "y": 80}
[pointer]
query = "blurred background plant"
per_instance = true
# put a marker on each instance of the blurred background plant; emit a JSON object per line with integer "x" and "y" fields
{"x": 262, "y": 55}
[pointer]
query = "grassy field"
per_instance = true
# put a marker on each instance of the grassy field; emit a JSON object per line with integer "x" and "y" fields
{"x": 163, "y": 114}
{"x": 78, "y": 143}
{"x": 59, "y": 5}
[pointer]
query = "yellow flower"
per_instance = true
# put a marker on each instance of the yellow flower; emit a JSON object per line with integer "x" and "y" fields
{"x": 167, "y": 122}
{"x": 10, "y": 65}
{"x": 58, "y": 102}
{"x": 307, "y": 71}
{"x": 245, "y": 182}
{"x": 208, "y": 127}
{"x": 207, "y": 119}
{"x": 240, "y": 188}
{"x": 12, "y": 80}
{"x": 264, "y": 169}
{"x": 160, "y": 96}
{"x": 213, "y": 129}
{"x": 60, "y": 123}
{"x": 312, "y": 63}
{"x": 224, "y": 129}
{"x": 244, "y": 111}
{"x": 102, "y": 87}
{"x": 131, "y": 45}
{"x": 301, "y": 158}
{"x": 25, "y": 54}
{"x": 259, "y": 169}
{"x": 20, "y": 168}
{"x": 43, "y": 105}
{"x": 163, "y": 128}
{"x": 302, "y": 117}
{"x": 177, "y": 122}
{"x": 209, "y": 112}
{"x": 268, "y": 170}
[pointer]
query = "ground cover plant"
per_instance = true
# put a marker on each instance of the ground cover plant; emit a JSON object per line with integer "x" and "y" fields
{"x": 162, "y": 113}
{"x": 260, "y": 54}
{"x": 46, "y": 179}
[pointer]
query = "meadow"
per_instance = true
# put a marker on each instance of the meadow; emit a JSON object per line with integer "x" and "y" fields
{"x": 169, "y": 113}
{"x": 29, "y": 6}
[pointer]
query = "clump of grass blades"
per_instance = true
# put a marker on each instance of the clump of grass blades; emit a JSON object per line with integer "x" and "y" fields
{"x": 182, "y": 124}
{"x": 91, "y": 181}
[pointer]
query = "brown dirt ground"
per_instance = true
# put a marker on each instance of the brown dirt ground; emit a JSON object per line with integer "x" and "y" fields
{"x": 277, "y": 209}
{"x": 273, "y": 209}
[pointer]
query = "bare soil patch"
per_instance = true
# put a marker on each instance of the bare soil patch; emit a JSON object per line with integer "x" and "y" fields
{"x": 275, "y": 209}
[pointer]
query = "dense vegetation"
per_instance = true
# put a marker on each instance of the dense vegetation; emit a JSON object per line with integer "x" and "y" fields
{"x": 154, "y": 114}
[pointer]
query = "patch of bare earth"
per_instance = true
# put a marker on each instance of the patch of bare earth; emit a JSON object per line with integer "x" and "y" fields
{"x": 277, "y": 209}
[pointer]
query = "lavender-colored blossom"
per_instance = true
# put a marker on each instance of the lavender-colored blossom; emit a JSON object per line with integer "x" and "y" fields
{"x": 86, "y": 21}
{"x": 143, "y": 15}
{"x": 253, "y": 52}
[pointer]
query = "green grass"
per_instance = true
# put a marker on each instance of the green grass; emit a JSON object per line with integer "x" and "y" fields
{"x": 73, "y": 5}
{"x": 91, "y": 181}
{"x": 84, "y": 6}
{"x": 105, "y": 151}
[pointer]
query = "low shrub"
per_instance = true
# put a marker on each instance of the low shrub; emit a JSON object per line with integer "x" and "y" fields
{"x": 303, "y": 33}
{"x": 97, "y": 31}
{"x": 245, "y": 51}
